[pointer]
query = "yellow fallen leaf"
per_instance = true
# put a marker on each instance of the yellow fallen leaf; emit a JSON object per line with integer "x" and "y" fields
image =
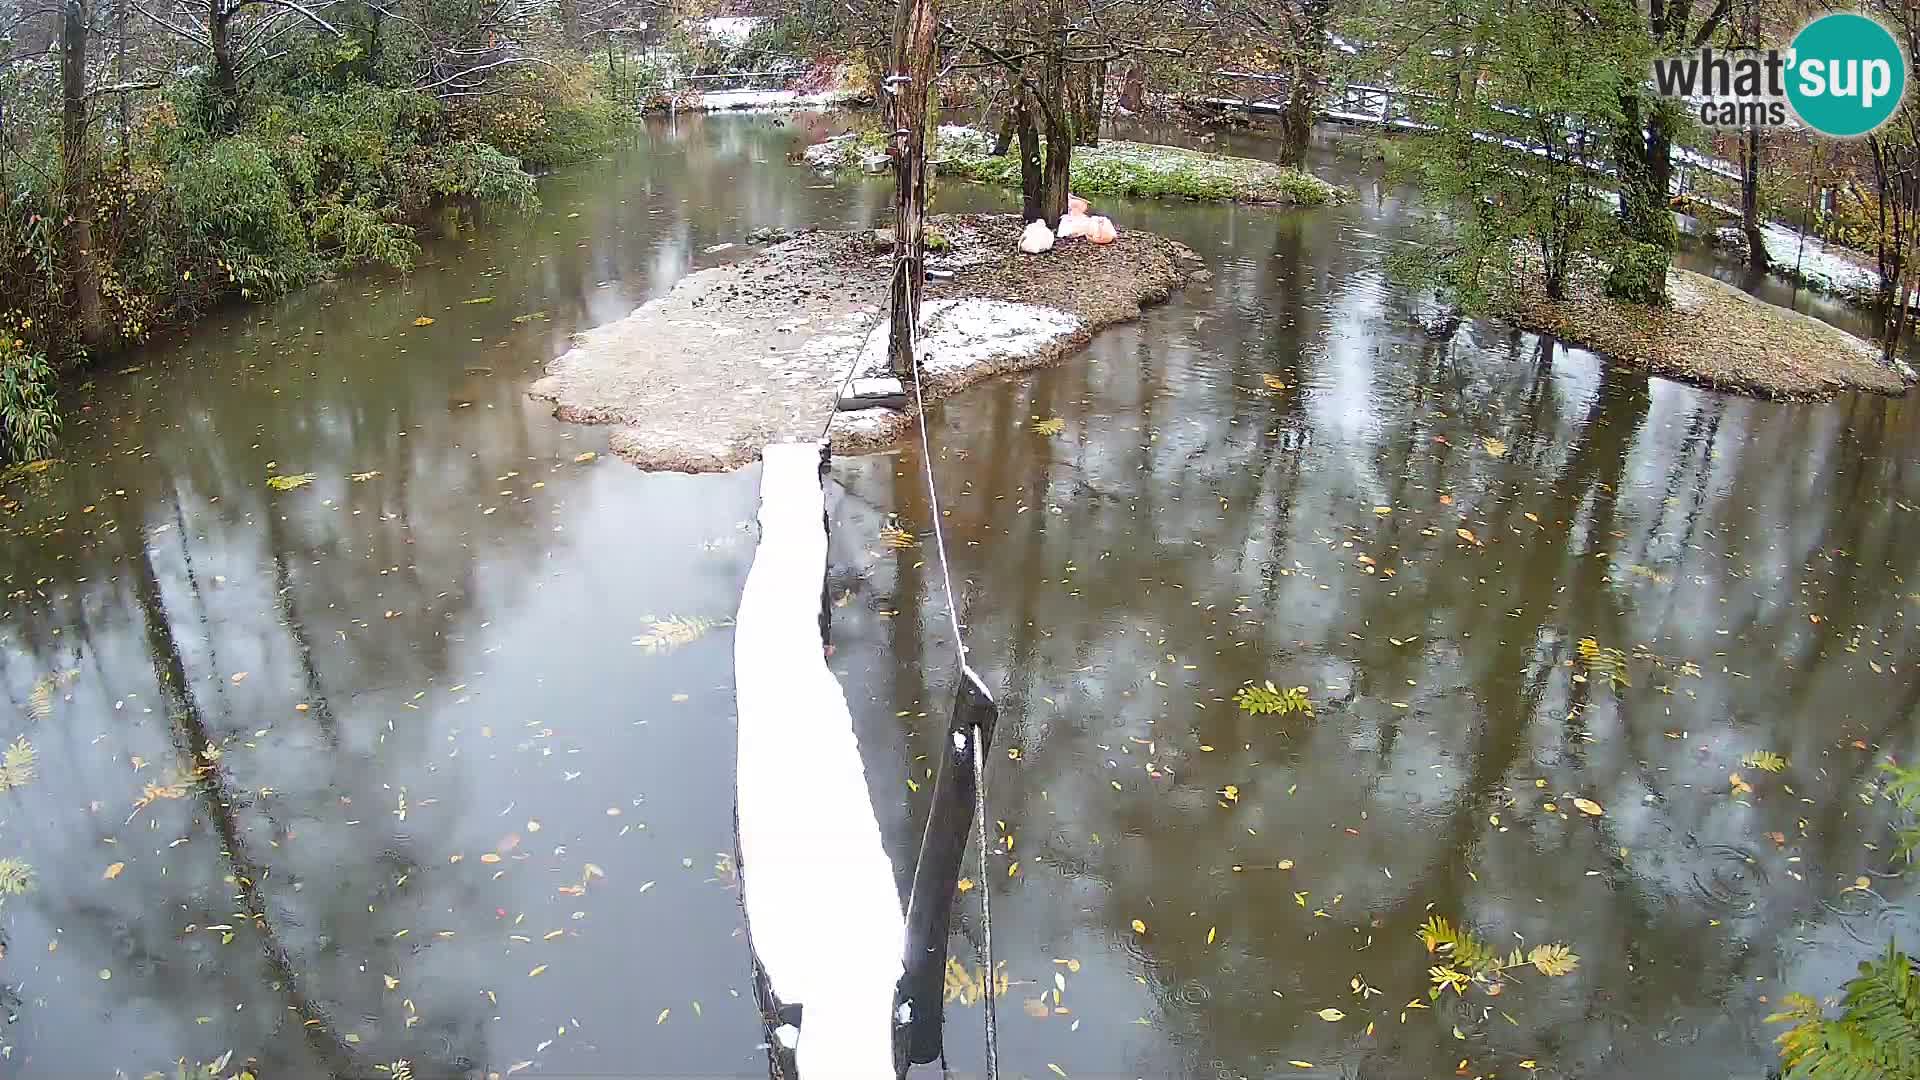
{"x": 1739, "y": 784}
{"x": 588, "y": 456}
{"x": 1211, "y": 931}
{"x": 536, "y": 971}
{"x": 114, "y": 871}
{"x": 391, "y": 981}
{"x": 1589, "y": 807}
{"x": 490, "y": 857}
{"x": 1139, "y": 927}
{"x": 662, "y": 1018}
{"x": 1298, "y": 1064}
{"x": 1055, "y": 1069}
{"x": 1286, "y": 864}
{"x": 1467, "y": 535}
{"x": 424, "y": 320}
{"x": 1232, "y": 792}
{"x": 965, "y": 884}
{"x": 1331, "y": 1015}
{"x": 1495, "y": 448}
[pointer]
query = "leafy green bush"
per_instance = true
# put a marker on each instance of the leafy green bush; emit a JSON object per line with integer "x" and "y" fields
{"x": 546, "y": 116}
{"x": 29, "y": 418}
{"x": 1638, "y": 274}
{"x": 1875, "y": 1037}
{"x": 236, "y": 213}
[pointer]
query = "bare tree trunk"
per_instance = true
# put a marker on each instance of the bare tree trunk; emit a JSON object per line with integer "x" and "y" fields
{"x": 76, "y": 170}
{"x": 120, "y": 8}
{"x": 1086, "y": 86}
{"x": 1133, "y": 87}
{"x": 1004, "y": 141}
{"x": 1030, "y": 169}
{"x": 570, "y": 23}
{"x": 1750, "y": 202}
{"x": 225, "y": 79}
{"x": 1055, "y": 120}
{"x": 914, "y": 29}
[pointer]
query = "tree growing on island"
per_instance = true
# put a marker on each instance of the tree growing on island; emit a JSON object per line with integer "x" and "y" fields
{"x": 1515, "y": 134}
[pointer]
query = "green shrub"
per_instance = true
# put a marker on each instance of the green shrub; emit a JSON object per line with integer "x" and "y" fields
{"x": 1875, "y": 1037}
{"x": 546, "y": 116}
{"x": 29, "y": 418}
{"x": 236, "y": 213}
{"x": 1639, "y": 274}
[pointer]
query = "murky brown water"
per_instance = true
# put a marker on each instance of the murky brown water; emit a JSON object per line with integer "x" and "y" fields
{"x": 417, "y": 794}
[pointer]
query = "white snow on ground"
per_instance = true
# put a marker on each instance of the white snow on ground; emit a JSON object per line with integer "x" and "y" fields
{"x": 1819, "y": 267}
{"x": 819, "y": 889}
{"x": 721, "y": 100}
{"x": 955, "y": 335}
{"x": 732, "y": 31}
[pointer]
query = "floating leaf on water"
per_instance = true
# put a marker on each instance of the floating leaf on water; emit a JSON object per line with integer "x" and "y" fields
{"x": 289, "y": 481}
{"x": 1603, "y": 663}
{"x": 1495, "y": 448}
{"x": 16, "y": 878}
{"x": 536, "y": 971}
{"x": 1553, "y": 959}
{"x": 1053, "y": 425}
{"x": 1467, "y": 535}
{"x": 1139, "y": 927}
{"x": 1260, "y": 700}
{"x": 17, "y": 765}
{"x": 674, "y": 631}
{"x": 114, "y": 871}
{"x": 424, "y": 320}
{"x": 1055, "y": 1069}
{"x": 1589, "y": 807}
{"x": 1331, "y": 1015}
{"x": 1231, "y": 792}
{"x": 1739, "y": 785}
{"x": 965, "y": 884}
{"x": 1764, "y": 760}
{"x": 1273, "y": 382}
{"x": 479, "y": 300}
{"x": 894, "y": 536}
{"x": 363, "y": 477}
{"x": 583, "y": 458}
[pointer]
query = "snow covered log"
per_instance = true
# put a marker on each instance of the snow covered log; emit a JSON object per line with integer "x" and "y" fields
{"x": 823, "y": 914}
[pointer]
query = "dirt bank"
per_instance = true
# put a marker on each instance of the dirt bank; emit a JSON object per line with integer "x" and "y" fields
{"x": 745, "y": 354}
{"x": 1716, "y": 336}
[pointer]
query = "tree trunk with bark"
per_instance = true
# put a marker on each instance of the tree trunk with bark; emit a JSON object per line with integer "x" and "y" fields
{"x": 1030, "y": 167}
{"x": 1750, "y": 222}
{"x": 76, "y": 171}
{"x": 914, "y": 30}
{"x": 570, "y": 23}
{"x": 1643, "y": 159}
{"x": 226, "y": 79}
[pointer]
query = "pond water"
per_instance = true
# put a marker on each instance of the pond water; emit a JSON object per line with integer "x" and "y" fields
{"x": 428, "y": 759}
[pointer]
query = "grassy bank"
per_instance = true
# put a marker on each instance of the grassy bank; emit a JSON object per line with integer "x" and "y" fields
{"x": 1711, "y": 334}
{"x": 310, "y": 169}
{"x": 1114, "y": 168}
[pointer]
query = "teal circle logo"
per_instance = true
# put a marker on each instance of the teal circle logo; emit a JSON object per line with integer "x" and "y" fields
{"x": 1847, "y": 75}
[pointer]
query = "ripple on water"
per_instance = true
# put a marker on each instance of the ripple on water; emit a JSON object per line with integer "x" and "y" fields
{"x": 1728, "y": 880}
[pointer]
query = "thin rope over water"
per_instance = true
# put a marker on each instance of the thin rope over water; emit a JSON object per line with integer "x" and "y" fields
{"x": 966, "y": 672}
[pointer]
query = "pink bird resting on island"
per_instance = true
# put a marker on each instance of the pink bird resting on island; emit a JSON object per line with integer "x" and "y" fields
{"x": 1075, "y": 222}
